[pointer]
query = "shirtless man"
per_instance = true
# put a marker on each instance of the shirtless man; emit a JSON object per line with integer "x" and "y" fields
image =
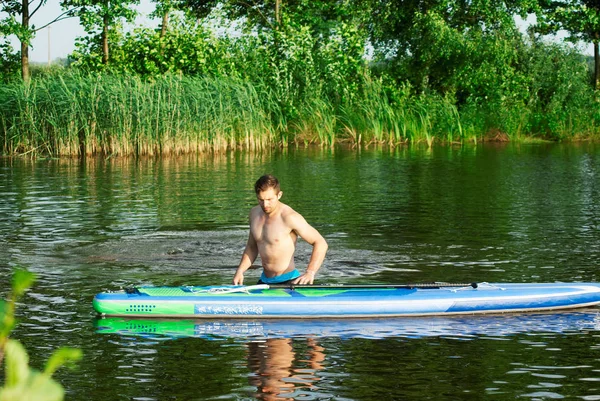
{"x": 274, "y": 229}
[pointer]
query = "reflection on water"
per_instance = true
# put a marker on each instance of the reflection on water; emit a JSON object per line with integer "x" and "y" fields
{"x": 464, "y": 327}
{"x": 460, "y": 214}
{"x": 503, "y": 356}
{"x": 279, "y": 373}
{"x": 517, "y": 213}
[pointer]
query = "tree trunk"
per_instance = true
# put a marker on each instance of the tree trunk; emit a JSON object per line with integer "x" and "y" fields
{"x": 596, "y": 66}
{"x": 164, "y": 25}
{"x": 105, "y": 40}
{"x": 25, "y": 43}
{"x": 163, "y": 31}
{"x": 277, "y": 13}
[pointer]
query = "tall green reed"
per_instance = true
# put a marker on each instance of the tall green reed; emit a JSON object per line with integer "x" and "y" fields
{"x": 70, "y": 113}
{"x": 380, "y": 118}
{"x": 73, "y": 114}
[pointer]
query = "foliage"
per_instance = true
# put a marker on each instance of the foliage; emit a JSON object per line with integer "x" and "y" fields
{"x": 297, "y": 67}
{"x": 94, "y": 14}
{"x": 9, "y": 61}
{"x": 22, "y": 280}
{"x": 100, "y": 17}
{"x": 299, "y": 72}
{"x": 22, "y": 382}
{"x": 468, "y": 52}
{"x": 291, "y": 62}
{"x": 299, "y": 46}
{"x": 561, "y": 99}
{"x": 579, "y": 18}
{"x": 555, "y": 100}
{"x": 21, "y": 27}
{"x": 11, "y": 24}
{"x": 164, "y": 7}
{"x": 392, "y": 21}
{"x": 198, "y": 9}
{"x": 186, "y": 48}
{"x": 260, "y": 15}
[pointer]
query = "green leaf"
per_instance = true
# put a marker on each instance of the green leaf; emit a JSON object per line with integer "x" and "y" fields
{"x": 22, "y": 280}
{"x": 62, "y": 356}
{"x": 3, "y": 312}
{"x": 24, "y": 383}
{"x": 7, "y": 324}
{"x": 17, "y": 363}
{"x": 37, "y": 387}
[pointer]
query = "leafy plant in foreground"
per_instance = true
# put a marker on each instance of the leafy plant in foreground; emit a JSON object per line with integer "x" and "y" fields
{"x": 23, "y": 383}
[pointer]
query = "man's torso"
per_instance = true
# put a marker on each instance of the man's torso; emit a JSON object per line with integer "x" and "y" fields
{"x": 275, "y": 239}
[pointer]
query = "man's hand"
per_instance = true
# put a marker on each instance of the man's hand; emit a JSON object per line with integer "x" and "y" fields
{"x": 306, "y": 278}
{"x": 238, "y": 279}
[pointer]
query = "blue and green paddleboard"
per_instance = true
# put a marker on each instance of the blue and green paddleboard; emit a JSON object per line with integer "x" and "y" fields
{"x": 344, "y": 301}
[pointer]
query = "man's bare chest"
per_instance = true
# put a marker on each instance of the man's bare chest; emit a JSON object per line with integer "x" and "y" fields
{"x": 271, "y": 233}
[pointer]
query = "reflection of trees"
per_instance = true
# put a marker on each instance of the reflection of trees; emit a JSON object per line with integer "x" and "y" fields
{"x": 405, "y": 195}
{"x": 96, "y": 196}
{"x": 279, "y": 373}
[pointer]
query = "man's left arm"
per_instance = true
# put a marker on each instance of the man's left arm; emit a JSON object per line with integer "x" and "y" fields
{"x": 314, "y": 238}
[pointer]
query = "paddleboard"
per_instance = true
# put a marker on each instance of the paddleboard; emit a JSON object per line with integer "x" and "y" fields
{"x": 344, "y": 301}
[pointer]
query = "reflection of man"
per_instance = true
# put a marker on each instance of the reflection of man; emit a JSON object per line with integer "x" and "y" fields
{"x": 274, "y": 229}
{"x": 272, "y": 361}
{"x": 275, "y": 363}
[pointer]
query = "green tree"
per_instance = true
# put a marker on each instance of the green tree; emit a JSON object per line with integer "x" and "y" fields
{"x": 580, "y": 18}
{"x": 199, "y": 9}
{"x": 99, "y": 16}
{"x": 186, "y": 48}
{"x": 297, "y": 47}
{"x": 18, "y": 23}
{"x": 423, "y": 41}
{"x": 321, "y": 16}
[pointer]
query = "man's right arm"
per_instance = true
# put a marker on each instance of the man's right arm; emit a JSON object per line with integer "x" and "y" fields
{"x": 248, "y": 257}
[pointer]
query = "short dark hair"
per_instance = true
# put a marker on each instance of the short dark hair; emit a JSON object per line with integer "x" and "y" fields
{"x": 265, "y": 182}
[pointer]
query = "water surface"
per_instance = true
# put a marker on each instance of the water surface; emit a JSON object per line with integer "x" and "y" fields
{"x": 519, "y": 213}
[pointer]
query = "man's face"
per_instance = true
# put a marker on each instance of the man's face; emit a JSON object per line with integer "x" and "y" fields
{"x": 269, "y": 200}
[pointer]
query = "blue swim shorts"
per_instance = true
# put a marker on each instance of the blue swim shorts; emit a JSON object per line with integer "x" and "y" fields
{"x": 283, "y": 278}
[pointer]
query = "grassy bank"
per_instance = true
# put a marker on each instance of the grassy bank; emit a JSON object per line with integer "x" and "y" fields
{"x": 67, "y": 114}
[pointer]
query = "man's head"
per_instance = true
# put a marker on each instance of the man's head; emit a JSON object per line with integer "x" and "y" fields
{"x": 268, "y": 193}
{"x": 265, "y": 182}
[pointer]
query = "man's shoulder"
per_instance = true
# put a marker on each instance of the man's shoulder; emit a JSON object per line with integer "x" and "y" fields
{"x": 286, "y": 209}
{"x": 288, "y": 213}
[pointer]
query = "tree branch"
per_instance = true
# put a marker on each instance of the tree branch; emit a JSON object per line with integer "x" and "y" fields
{"x": 63, "y": 16}
{"x": 256, "y": 9}
{"x": 37, "y": 8}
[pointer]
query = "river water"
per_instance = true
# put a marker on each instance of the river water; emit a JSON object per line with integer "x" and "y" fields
{"x": 512, "y": 213}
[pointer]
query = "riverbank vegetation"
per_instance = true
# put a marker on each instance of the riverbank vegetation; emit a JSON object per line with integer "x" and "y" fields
{"x": 298, "y": 73}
